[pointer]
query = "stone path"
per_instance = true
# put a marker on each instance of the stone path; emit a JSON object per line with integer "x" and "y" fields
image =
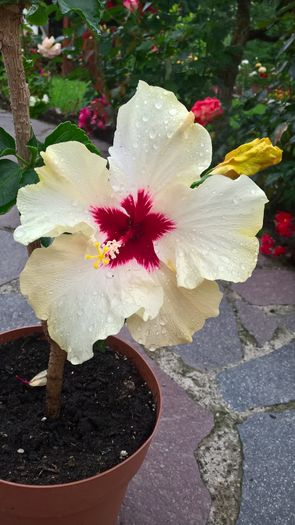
{"x": 224, "y": 454}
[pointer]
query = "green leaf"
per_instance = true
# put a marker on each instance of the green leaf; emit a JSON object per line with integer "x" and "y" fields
{"x": 7, "y": 143}
{"x": 10, "y": 174}
{"x": 89, "y": 11}
{"x": 35, "y": 146}
{"x": 38, "y": 13}
{"x": 68, "y": 131}
{"x": 28, "y": 176}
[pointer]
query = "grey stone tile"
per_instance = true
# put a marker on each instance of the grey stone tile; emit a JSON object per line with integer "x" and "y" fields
{"x": 15, "y": 312}
{"x": 216, "y": 345}
{"x": 260, "y": 325}
{"x": 13, "y": 257}
{"x": 287, "y": 320}
{"x": 10, "y": 219}
{"x": 269, "y": 469}
{"x": 268, "y": 286}
{"x": 264, "y": 381}
{"x": 168, "y": 489}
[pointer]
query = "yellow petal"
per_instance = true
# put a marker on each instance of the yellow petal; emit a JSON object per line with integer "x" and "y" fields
{"x": 250, "y": 158}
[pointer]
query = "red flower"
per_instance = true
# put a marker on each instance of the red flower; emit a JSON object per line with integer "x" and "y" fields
{"x": 207, "y": 110}
{"x": 84, "y": 119}
{"x": 266, "y": 244}
{"x": 284, "y": 224}
{"x": 279, "y": 250}
{"x": 96, "y": 115}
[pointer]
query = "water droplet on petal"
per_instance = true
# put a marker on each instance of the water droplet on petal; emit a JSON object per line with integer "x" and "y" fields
{"x": 158, "y": 104}
{"x": 172, "y": 111}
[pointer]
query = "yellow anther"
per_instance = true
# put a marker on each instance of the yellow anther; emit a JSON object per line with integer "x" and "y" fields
{"x": 105, "y": 252}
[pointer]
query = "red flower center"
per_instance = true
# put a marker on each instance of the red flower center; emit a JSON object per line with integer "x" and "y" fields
{"x": 136, "y": 228}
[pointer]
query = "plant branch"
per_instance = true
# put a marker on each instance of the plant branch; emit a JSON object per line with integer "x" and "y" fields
{"x": 10, "y": 45}
{"x": 10, "y": 21}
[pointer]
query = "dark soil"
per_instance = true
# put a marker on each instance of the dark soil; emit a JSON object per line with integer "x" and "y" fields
{"x": 107, "y": 413}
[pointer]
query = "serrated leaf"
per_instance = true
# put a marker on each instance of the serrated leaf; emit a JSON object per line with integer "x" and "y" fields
{"x": 68, "y": 131}
{"x": 10, "y": 174}
{"x": 89, "y": 11}
{"x": 7, "y": 144}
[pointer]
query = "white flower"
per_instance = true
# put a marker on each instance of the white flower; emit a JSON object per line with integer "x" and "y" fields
{"x": 253, "y": 74}
{"x": 33, "y": 100}
{"x": 144, "y": 246}
{"x": 45, "y": 98}
{"x": 245, "y": 62}
{"x": 49, "y": 48}
{"x": 262, "y": 69}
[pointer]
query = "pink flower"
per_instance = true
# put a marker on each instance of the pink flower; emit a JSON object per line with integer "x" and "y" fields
{"x": 96, "y": 115}
{"x": 207, "y": 110}
{"x": 131, "y": 5}
{"x": 266, "y": 244}
{"x": 284, "y": 224}
{"x": 49, "y": 48}
{"x": 154, "y": 49}
{"x": 84, "y": 119}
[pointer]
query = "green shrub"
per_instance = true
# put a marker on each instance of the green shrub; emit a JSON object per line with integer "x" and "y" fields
{"x": 67, "y": 95}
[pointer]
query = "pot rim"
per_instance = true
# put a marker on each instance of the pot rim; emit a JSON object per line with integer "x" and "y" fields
{"x": 159, "y": 403}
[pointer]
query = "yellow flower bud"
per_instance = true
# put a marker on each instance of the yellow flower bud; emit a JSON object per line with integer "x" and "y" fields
{"x": 258, "y": 64}
{"x": 248, "y": 159}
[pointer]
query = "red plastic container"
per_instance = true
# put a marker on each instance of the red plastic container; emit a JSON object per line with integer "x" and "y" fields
{"x": 91, "y": 501}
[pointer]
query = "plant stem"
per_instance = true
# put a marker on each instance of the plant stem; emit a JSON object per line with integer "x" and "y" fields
{"x": 55, "y": 372}
{"x": 10, "y": 45}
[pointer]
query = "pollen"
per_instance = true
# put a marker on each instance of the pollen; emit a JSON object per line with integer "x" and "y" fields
{"x": 104, "y": 253}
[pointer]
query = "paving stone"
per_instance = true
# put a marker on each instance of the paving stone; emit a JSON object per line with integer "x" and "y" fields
{"x": 168, "y": 489}
{"x": 216, "y": 345}
{"x": 269, "y": 467}
{"x": 268, "y": 286}
{"x": 265, "y": 381}
{"x": 13, "y": 257}
{"x": 287, "y": 320}
{"x": 15, "y": 312}
{"x": 260, "y": 325}
{"x": 10, "y": 219}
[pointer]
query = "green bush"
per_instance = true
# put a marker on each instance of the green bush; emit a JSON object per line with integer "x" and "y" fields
{"x": 67, "y": 95}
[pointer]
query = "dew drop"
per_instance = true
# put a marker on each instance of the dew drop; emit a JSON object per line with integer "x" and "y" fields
{"x": 172, "y": 111}
{"x": 145, "y": 118}
{"x": 158, "y": 104}
{"x": 152, "y": 134}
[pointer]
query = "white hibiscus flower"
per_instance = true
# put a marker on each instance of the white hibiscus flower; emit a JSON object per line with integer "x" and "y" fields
{"x": 144, "y": 246}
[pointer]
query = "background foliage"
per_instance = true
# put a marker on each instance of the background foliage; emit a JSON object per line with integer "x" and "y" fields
{"x": 196, "y": 49}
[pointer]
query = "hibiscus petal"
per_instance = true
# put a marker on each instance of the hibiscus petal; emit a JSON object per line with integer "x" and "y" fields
{"x": 157, "y": 143}
{"x": 183, "y": 313}
{"x": 72, "y": 180}
{"x": 80, "y": 303}
{"x": 216, "y": 225}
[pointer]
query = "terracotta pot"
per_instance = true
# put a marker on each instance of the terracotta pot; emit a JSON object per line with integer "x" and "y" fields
{"x": 91, "y": 501}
